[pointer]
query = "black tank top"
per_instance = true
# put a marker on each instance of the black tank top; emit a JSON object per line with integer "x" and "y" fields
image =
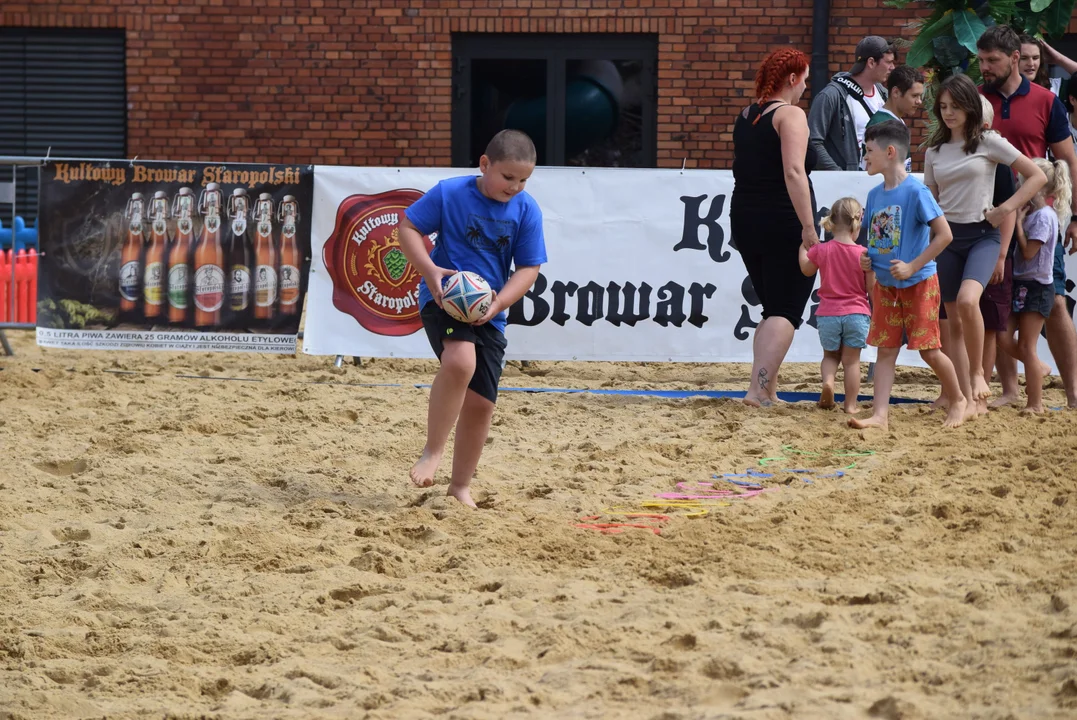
{"x": 757, "y": 156}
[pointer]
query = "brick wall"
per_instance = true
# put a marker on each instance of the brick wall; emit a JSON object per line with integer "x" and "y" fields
{"x": 368, "y": 81}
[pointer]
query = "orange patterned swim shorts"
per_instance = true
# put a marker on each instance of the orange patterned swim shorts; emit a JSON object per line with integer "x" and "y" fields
{"x": 913, "y": 309}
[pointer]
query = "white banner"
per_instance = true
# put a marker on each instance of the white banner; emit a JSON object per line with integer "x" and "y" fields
{"x": 640, "y": 268}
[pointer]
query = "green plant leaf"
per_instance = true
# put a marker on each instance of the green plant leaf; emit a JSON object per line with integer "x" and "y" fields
{"x": 1002, "y": 10}
{"x": 1058, "y": 17}
{"x": 922, "y": 50}
{"x": 1034, "y": 22}
{"x": 968, "y": 28}
{"x": 949, "y": 51}
{"x": 1039, "y": 5}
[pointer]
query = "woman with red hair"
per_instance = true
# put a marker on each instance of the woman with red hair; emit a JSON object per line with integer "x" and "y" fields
{"x": 772, "y": 212}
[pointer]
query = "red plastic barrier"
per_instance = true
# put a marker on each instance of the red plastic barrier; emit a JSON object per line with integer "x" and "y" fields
{"x": 5, "y": 283}
{"x": 24, "y": 289}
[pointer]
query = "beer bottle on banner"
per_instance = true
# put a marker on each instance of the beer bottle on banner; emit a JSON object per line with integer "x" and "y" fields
{"x": 288, "y": 214}
{"x": 265, "y": 259}
{"x": 239, "y": 257}
{"x": 131, "y": 256}
{"x": 153, "y": 276}
{"x": 179, "y": 257}
{"x": 209, "y": 261}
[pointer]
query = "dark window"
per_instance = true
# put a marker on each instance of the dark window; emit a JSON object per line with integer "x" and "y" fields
{"x": 59, "y": 89}
{"x": 586, "y": 100}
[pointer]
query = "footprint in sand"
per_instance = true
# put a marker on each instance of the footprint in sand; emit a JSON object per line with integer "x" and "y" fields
{"x": 69, "y": 534}
{"x": 63, "y": 468}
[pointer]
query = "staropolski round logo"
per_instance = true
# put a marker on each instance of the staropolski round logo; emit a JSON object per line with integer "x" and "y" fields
{"x": 372, "y": 280}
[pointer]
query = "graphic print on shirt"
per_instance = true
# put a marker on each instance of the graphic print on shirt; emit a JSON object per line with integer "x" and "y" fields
{"x": 884, "y": 233}
{"x": 489, "y": 235}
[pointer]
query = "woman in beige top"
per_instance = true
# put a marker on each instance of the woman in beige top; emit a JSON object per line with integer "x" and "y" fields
{"x": 959, "y": 168}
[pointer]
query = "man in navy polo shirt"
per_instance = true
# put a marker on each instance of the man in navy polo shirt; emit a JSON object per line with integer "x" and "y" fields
{"x": 1033, "y": 120}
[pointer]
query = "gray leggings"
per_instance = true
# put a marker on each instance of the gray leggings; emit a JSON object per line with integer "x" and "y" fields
{"x": 971, "y": 256}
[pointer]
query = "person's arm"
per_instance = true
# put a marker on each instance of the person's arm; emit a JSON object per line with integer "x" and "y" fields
{"x": 941, "y": 236}
{"x": 869, "y": 280}
{"x": 414, "y": 249}
{"x": 517, "y": 286}
{"x": 806, "y": 265}
{"x": 1034, "y": 180}
{"x": 1006, "y": 230}
{"x": 820, "y": 117}
{"x": 1063, "y": 150}
{"x": 929, "y": 173}
{"x": 1029, "y": 247}
{"x": 792, "y": 130}
{"x": 1057, "y": 58}
{"x": 1004, "y": 190}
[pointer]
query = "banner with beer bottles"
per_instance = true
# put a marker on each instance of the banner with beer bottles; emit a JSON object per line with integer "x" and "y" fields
{"x": 173, "y": 256}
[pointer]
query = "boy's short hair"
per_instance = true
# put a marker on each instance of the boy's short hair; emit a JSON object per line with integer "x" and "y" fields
{"x": 511, "y": 146}
{"x": 903, "y": 78}
{"x": 891, "y": 132}
{"x": 1002, "y": 38}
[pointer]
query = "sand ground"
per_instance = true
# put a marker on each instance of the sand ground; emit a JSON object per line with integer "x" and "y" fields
{"x": 175, "y": 546}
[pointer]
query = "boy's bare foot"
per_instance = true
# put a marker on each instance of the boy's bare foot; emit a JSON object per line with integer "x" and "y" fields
{"x": 1071, "y": 403}
{"x": 756, "y": 401}
{"x": 981, "y": 406}
{"x": 941, "y": 403}
{"x": 826, "y": 397}
{"x": 422, "y": 472}
{"x": 851, "y": 408}
{"x": 875, "y": 421}
{"x": 980, "y": 389}
{"x": 1032, "y": 410}
{"x": 1003, "y": 401}
{"x": 463, "y": 494}
{"x": 969, "y": 411}
{"x": 957, "y": 414}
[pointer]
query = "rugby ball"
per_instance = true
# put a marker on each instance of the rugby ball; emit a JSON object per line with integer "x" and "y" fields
{"x": 466, "y": 296}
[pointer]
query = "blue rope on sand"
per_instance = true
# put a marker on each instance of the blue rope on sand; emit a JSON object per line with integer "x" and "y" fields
{"x": 792, "y": 397}
{"x": 680, "y": 394}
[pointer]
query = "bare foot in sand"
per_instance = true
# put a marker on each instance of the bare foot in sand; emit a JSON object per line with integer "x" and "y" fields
{"x": 756, "y": 401}
{"x": 980, "y": 388}
{"x": 941, "y": 403}
{"x": 875, "y": 421}
{"x": 957, "y": 414}
{"x": 969, "y": 411}
{"x": 1003, "y": 401}
{"x": 463, "y": 494}
{"x": 1032, "y": 410}
{"x": 826, "y": 397}
{"x": 851, "y": 408}
{"x": 422, "y": 472}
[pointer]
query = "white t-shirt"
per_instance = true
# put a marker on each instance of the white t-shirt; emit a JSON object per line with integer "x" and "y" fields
{"x": 860, "y": 116}
{"x": 908, "y": 160}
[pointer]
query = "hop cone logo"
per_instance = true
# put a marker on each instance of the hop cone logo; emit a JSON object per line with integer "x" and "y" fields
{"x": 396, "y": 263}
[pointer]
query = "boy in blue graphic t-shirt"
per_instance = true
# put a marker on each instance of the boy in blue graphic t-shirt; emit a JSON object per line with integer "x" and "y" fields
{"x": 906, "y": 232}
{"x": 486, "y": 225}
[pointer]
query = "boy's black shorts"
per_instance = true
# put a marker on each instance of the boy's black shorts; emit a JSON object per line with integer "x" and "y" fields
{"x": 489, "y": 343}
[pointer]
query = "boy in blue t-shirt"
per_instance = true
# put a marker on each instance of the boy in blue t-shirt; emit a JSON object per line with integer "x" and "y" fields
{"x": 906, "y": 232}
{"x": 486, "y": 225}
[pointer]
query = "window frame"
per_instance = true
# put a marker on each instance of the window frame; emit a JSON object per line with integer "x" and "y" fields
{"x": 556, "y": 49}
